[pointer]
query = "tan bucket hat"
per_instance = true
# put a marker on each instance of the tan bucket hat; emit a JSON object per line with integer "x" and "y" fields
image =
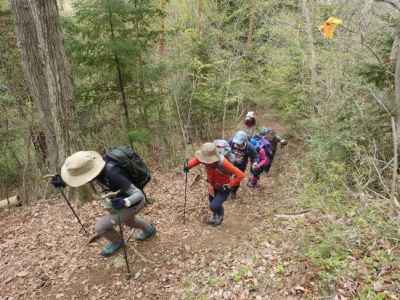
{"x": 82, "y": 167}
{"x": 208, "y": 154}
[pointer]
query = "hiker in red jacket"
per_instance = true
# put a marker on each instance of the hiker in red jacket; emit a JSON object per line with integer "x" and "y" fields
{"x": 222, "y": 176}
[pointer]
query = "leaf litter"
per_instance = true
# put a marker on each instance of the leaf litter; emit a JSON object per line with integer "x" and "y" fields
{"x": 253, "y": 255}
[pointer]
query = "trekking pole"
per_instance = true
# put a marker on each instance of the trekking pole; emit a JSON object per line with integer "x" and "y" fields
{"x": 60, "y": 189}
{"x": 72, "y": 209}
{"x": 184, "y": 206}
{"x": 121, "y": 231}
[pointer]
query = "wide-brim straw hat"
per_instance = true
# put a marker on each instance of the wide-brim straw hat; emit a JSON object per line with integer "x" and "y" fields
{"x": 208, "y": 154}
{"x": 82, "y": 167}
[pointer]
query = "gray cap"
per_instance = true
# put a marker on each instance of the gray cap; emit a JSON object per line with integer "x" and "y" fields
{"x": 264, "y": 131}
{"x": 222, "y": 146}
{"x": 240, "y": 137}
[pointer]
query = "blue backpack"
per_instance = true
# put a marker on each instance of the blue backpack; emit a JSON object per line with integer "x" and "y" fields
{"x": 259, "y": 142}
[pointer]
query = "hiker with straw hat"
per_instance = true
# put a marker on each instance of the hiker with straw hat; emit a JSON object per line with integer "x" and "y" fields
{"x": 222, "y": 177}
{"x": 86, "y": 166}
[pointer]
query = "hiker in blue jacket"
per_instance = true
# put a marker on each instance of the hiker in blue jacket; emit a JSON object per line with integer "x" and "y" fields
{"x": 243, "y": 151}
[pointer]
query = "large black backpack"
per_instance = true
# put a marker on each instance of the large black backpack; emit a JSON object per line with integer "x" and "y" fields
{"x": 127, "y": 159}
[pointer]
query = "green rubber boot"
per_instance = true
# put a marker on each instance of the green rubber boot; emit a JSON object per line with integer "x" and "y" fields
{"x": 111, "y": 248}
{"x": 147, "y": 233}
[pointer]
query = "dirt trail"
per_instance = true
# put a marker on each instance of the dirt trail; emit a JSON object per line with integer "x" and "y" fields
{"x": 253, "y": 255}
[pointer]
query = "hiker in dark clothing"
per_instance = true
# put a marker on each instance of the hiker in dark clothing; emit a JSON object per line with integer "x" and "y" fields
{"x": 250, "y": 124}
{"x": 86, "y": 166}
{"x": 274, "y": 139}
{"x": 243, "y": 151}
{"x": 222, "y": 177}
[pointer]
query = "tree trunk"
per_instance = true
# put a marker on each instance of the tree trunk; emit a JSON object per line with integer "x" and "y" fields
{"x": 200, "y": 17}
{"x": 396, "y": 119}
{"x": 311, "y": 51}
{"x": 252, "y": 22}
{"x": 48, "y": 73}
{"x": 396, "y": 57}
{"x": 162, "y": 33}
{"x": 120, "y": 79}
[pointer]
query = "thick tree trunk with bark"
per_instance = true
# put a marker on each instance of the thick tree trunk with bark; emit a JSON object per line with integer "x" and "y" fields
{"x": 47, "y": 72}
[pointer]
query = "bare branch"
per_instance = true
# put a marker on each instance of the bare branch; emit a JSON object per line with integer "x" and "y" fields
{"x": 393, "y": 3}
{"x": 379, "y": 101}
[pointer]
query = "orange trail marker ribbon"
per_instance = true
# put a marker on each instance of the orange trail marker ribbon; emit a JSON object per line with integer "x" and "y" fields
{"x": 328, "y": 28}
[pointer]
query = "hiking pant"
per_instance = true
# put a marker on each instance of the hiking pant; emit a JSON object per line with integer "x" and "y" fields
{"x": 217, "y": 201}
{"x": 105, "y": 225}
{"x": 256, "y": 174}
{"x": 268, "y": 167}
{"x": 271, "y": 159}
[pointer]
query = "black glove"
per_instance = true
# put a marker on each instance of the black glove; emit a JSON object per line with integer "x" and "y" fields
{"x": 57, "y": 182}
{"x": 118, "y": 202}
{"x": 186, "y": 167}
{"x": 226, "y": 188}
{"x": 255, "y": 167}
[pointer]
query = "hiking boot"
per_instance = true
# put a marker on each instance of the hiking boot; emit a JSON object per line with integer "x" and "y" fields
{"x": 111, "y": 248}
{"x": 251, "y": 184}
{"x": 211, "y": 221}
{"x": 218, "y": 220}
{"x": 147, "y": 233}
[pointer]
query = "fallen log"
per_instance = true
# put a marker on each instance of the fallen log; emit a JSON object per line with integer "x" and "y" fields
{"x": 293, "y": 215}
{"x": 11, "y": 201}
